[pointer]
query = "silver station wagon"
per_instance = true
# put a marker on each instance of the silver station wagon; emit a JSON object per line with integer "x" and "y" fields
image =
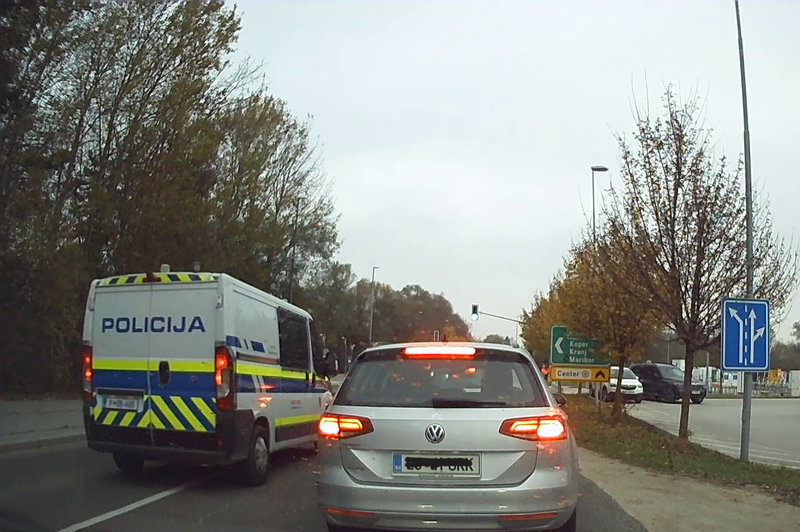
{"x": 455, "y": 436}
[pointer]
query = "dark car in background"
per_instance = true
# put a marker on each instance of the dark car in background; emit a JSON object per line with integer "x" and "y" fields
{"x": 664, "y": 382}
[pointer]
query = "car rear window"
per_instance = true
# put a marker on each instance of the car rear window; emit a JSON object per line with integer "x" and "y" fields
{"x": 490, "y": 379}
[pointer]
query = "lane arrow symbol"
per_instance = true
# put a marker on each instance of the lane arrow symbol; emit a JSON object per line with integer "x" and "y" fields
{"x": 735, "y": 315}
{"x": 558, "y": 345}
{"x": 600, "y": 374}
{"x": 755, "y": 334}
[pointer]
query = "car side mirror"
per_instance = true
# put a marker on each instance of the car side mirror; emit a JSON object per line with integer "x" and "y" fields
{"x": 561, "y": 399}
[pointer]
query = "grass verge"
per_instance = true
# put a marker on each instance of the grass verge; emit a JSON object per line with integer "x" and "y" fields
{"x": 637, "y": 444}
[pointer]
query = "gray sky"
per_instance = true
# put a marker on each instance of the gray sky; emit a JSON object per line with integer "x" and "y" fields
{"x": 460, "y": 134}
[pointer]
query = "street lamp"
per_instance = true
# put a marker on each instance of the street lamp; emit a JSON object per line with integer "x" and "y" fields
{"x": 372, "y": 305}
{"x": 597, "y": 168}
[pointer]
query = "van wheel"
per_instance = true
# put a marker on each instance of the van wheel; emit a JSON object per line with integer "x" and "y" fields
{"x": 572, "y": 523}
{"x": 255, "y": 469}
{"x": 129, "y": 464}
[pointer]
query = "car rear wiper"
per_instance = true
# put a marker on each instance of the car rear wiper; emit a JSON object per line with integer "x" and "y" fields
{"x": 439, "y": 402}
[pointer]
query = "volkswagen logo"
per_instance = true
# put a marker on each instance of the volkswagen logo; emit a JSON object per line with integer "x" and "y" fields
{"x": 434, "y": 433}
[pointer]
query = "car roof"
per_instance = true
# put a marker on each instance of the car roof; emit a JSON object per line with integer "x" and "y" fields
{"x": 478, "y": 345}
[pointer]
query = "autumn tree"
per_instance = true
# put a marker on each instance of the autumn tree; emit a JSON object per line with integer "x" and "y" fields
{"x": 679, "y": 226}
{"x": 595, "y": 306}
{"x": 497, "y": 339}
{"x": 127, "y": 140}
{"x": 545, "y": 312}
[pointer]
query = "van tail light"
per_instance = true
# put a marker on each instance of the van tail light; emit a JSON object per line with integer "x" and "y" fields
{"x": 223, "y": 378}
{"x": 539, "y": 428}
{"x": 86, "y": 372}
{"x": 337, "y": 427}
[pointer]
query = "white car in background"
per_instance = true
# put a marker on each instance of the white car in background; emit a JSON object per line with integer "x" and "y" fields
{"x": 631, "y": 386}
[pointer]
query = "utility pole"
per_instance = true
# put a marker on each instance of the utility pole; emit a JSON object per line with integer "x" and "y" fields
{"x": 372, "y": 304}
{"x": 744, "y": 449}
{"x": 597, "y": 168}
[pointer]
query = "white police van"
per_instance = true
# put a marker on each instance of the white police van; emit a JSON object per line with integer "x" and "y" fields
{"x": 198, "y": 367}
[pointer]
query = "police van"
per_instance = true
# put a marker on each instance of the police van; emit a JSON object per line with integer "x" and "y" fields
{"x": 198, "y": 367}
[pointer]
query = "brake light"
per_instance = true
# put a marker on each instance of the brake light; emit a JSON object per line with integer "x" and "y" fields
{"x": 223, "y": 377}
{"x": 444, "y": 351}
{"x": 86, "y": 365}
{"x": 337, "y": 427}
{"x": 542, "y": 428}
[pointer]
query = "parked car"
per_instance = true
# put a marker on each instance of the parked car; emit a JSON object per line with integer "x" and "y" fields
{"x": 664, "y": 382}
{"x": 631, "y": 386}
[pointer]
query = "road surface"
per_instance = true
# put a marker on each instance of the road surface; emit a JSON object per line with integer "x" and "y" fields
{"x": 66, "y": 488}
{"x": 716, "y": 423}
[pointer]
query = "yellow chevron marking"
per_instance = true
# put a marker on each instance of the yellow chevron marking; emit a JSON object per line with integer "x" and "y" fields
{"x": 202, "y": 406}
{"x": 188, "y": 414}
{"x": 127, "y": 418}
{"x": 164, "y": 409}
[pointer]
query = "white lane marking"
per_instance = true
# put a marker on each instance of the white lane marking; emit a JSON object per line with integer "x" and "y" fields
{"x": 128, "y": 508}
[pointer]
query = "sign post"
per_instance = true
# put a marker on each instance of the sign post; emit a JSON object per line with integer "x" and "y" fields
{"x": 575, "y": 358}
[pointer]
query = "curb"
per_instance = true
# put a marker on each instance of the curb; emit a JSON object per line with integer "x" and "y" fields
{"x": 39, "y": 444}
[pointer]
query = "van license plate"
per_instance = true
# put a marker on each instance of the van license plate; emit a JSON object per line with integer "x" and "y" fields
{"x": 457, "y": 464}
{"x": 121, "y": 403}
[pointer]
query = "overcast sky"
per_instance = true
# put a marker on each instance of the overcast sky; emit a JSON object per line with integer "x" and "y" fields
{"x": 460, "y": 134}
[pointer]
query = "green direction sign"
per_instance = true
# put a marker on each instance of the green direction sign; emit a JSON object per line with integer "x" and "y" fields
{"x": 567, "y": 348}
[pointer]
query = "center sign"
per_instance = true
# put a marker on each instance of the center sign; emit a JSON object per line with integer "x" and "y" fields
{"x": 575, "y": 358}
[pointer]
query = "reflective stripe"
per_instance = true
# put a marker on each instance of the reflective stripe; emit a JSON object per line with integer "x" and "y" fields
{"x": 187, "y": 414}
{"x": 138, "y": 278}
{"x": 122, "y": 364}
{"x": 297, "y": 420}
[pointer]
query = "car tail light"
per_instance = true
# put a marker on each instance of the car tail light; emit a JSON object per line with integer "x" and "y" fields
{"x": 87, "y": 374}
{"x": 539, "y": 428}
{"x": 439, "y": 351}
{"x": 337, "y": 427}
{"x": 223, "y": 377}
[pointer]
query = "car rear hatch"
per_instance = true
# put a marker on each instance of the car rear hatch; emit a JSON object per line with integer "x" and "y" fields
{"x": 442, "y": 417}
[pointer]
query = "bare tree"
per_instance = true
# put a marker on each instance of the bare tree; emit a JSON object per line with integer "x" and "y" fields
{"x": 679, "y": 222}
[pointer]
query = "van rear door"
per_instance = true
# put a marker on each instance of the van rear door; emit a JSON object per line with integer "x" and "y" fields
{"x": 181, "y": 359}
{"x": 120, "y": 362}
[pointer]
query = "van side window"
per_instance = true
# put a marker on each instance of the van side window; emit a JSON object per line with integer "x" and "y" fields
{"x": 293, "y": 331}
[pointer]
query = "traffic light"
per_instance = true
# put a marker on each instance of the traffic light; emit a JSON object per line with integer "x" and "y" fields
{"x": 474, "y": 312}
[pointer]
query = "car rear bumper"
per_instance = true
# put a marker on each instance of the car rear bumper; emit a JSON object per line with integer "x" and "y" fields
{"x": 551, "y": 493}
{"x": 228, "y": 444}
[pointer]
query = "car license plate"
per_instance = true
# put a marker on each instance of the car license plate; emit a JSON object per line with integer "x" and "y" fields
{"x": 456, "y": 464}
{"x": 121, "y": 403}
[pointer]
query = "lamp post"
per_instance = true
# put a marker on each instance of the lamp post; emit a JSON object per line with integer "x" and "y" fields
{"x": 372, "y": 304}
{"x": 597, "y": 168}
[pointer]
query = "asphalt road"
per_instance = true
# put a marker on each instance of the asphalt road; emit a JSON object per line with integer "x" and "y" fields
{"x": 68, "y": 488}
{"x": 716, "y": 423}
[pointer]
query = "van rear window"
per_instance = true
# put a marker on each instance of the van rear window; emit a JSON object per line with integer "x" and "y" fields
{"x": 490, "y": 379}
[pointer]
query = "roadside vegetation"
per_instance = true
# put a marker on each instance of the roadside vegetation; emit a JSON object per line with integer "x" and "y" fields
{"x": 668, "y": 247}
{"x": 129, "y": 138}
{"x": 635, "y": 443}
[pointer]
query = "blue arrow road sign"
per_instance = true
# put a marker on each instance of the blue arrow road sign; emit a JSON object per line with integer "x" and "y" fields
{"x": 745, "y": 335}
